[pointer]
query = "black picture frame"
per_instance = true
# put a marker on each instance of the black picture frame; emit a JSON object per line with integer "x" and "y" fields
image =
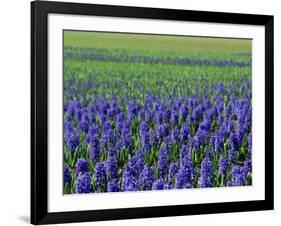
{"x": 39, "y": 111}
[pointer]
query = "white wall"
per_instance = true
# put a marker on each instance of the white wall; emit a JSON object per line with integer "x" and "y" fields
{"x": 15, "y": 114}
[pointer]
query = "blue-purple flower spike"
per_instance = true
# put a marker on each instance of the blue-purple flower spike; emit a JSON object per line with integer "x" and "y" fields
{"x": 83, "y": 183}
{"x": 206, "y": 177}
{"x": 146, "y": 178}
{"x": 82, "y": 166}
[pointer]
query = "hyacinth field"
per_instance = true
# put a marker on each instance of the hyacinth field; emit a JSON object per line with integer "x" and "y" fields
{"x": 151, "y": 112}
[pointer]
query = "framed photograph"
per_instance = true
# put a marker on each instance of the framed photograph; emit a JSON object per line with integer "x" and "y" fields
{"x": 145, "y": 112}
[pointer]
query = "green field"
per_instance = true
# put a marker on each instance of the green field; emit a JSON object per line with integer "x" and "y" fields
{"x": 89, "y": 55}
{"x": 162, "y": 43}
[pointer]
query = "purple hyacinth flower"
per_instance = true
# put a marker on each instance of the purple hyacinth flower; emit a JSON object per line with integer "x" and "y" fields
{"x": 159, "y": 117}
{"x": 126, "y": 135}
{"x": 103, "y": 118}
{"x": 197, "y": 113}
{"x": 129, "y": 182}
{"x": 78, "y": 114}
{"x": 83, "y": 124}
{"x": 223, "y": 165}
{"x": 133, "y": 109}
{"x": 111, "y": 136}
{"x": 183, "y": 112}
{"x": 127, "y": 140}
{"x": 112, "y": 186}
{"x": 232, "y": 154}
{"x": 206, "y": 177}
{"x": 95, "y": 149}
{"x": 167, "y": 115}
{"x": 240, "y": 135}
{"x": 145, "y": 140}
{"x": 100, "y": 176}
{"x": 111, "y": 168}
{"x": 144, "y": 128}
{"x": 247, "y": 166}
{"x": 107, "y": 136}
{"x": 238, "y": 176}
{"x": 158, "y": 184}
{"x": 113, "y": 151}
{"x": 233, "y": 146}
{"x": 184, "y": 132}
{"x": 184, "y": 152}
{"x": 163, "y": 130}
{"x": 219, "y": 139}
{"x": 230, "y": 126}
{"x": 140, "y": 156}
{"x": 175, "y": 135}
{"x": 81, "y": 166}
{"x": 133, "y": 165}
{"x": 146, "y": 178}
{"x": 174, "y": 118}
{"x": 187, "y": 163}
{"x": 72, "y": 141}
{"x": 200, "y": 138}
{"x": 154, "y": 138}
{"x": 183, "y": 178}
{"x": 167, "y": 141}
{"x": 163, "y": 162}
{"x": 68, "y": 127}
{"x": 173, "y": 170}
{"x": 185, "y": 173}
{"x": 93, "y": 132}
{"x": 205, "y": 125}
{"x": 148, "y": 115}
{"x": 233, "y": 141}
{"x": 83, "y": 183}
{"x": 228, "y": 111}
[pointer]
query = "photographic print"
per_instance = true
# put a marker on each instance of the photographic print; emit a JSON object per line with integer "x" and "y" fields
{"x": 155, "y": 112}
{"x": 149, "y": 112}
